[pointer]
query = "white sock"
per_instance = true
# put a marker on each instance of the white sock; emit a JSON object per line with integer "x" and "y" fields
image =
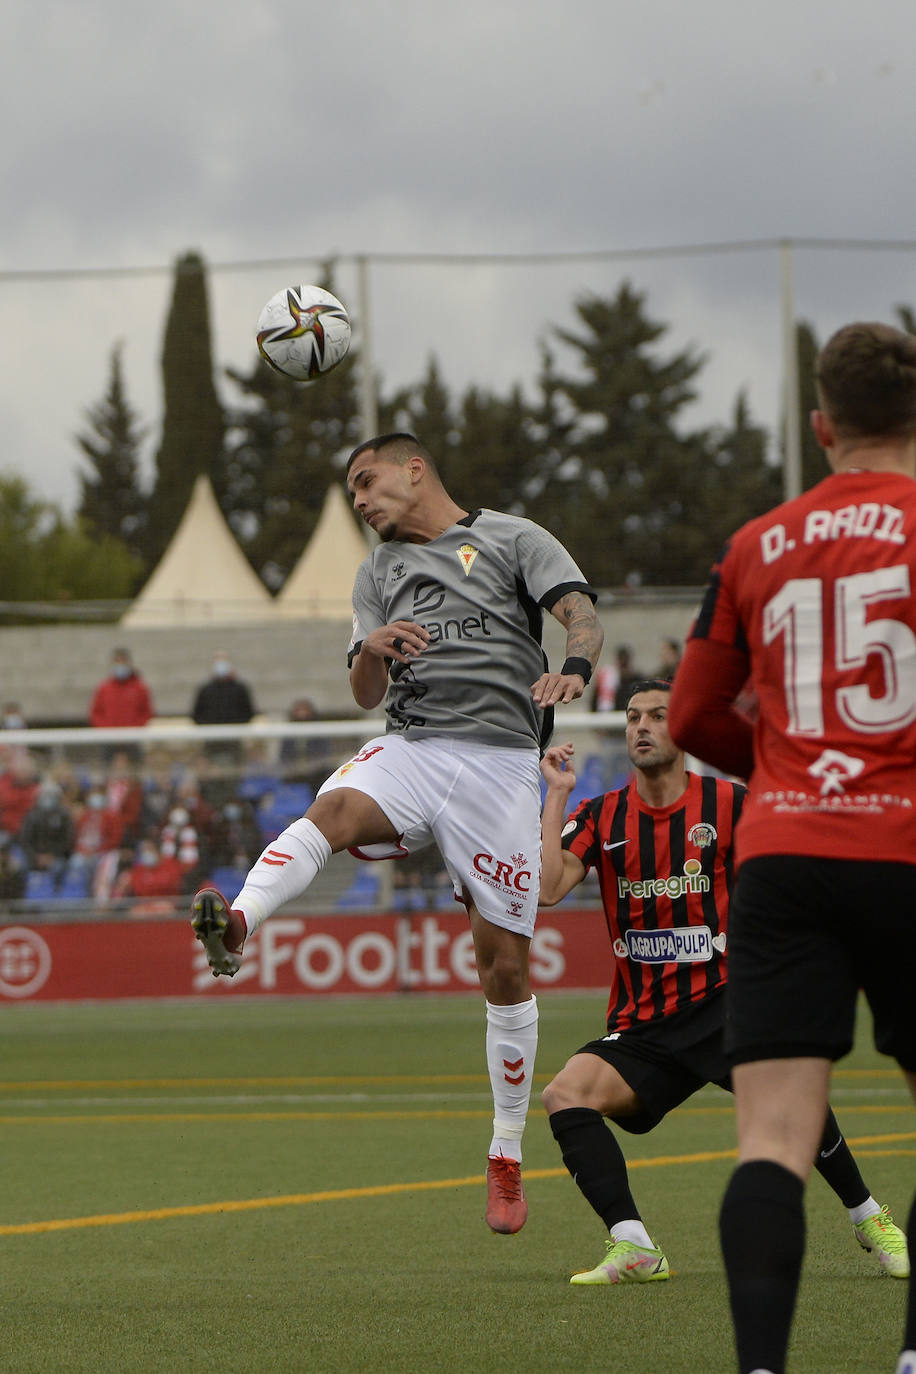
{"x": 284, "y": 871}
{"x": 866, "y": 1209}
{"x": 633, "y": 1231}
{"x": 512, "y": 1041}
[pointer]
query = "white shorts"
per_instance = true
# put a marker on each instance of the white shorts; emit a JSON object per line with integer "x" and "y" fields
{"x": 479, "y": 803}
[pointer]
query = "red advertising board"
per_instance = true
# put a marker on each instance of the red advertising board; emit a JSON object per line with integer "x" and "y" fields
{"x": 423, "y": 952}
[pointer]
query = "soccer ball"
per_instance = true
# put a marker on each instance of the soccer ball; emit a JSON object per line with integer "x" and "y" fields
{"x": 303, "y": 332}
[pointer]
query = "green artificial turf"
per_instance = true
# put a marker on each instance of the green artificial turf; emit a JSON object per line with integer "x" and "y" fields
{"x": 320, "y": 1166}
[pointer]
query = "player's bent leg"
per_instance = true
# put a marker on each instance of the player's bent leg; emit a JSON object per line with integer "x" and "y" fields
{"x": 873, "y": 1226}
{"x": 577, "y": 1100}
{"x": 284, "y": 870}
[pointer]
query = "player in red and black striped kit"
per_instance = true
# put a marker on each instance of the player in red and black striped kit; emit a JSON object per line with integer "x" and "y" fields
{"x": 662, "y": 848}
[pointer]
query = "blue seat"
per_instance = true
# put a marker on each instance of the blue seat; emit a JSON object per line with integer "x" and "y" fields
{"x": 257, "y": 785}
{"x": 228, "y": 879}
{"x": 39, "y": 886}
{"x": 362, "y": 892}
{"x": 287, "y": 803}
{"x": 74, "y": 888}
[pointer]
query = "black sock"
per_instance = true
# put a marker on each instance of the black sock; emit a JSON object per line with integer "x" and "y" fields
{"x": 596, "y": 1162}
{"x": 909, "y": 1339}
{"x": 762, "y": 1230}
{"x": 835, "y": 1164}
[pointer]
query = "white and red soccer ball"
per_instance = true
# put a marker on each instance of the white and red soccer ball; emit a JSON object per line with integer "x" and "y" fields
{"x": 303, "y": 332}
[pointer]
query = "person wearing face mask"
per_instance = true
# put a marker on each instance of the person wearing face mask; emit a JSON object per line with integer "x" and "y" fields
{"x": 122, "y": 698}
{"x": 47, "y": 833}
{"x": 223, "y": 699}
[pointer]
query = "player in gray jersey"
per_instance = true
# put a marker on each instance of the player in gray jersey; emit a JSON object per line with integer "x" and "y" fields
{"x": 447, "y": 623}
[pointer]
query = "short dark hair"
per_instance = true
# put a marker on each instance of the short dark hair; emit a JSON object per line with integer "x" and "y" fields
{"x": 647, "y": 684}
{"x": 866, "y": 380}
{"x": 396, "y": 447}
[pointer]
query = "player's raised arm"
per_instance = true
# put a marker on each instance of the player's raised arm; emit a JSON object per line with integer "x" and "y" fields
{"x": 560, "y": 870}
{"x": 584, "y": 637}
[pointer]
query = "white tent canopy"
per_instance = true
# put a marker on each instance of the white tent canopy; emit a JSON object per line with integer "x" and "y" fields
{"x": 203, "y": 578}
{"x": 320, "y": 586}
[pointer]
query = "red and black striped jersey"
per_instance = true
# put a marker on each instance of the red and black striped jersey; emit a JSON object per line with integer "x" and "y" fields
{"x": 665, "y": 875}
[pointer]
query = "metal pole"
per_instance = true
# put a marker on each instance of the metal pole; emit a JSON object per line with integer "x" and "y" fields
{"x": 367, "y": 402}
{"x": 791, "y": 471}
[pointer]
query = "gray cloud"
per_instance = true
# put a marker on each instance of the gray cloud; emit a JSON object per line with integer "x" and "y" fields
{"x": 266, "y": 130}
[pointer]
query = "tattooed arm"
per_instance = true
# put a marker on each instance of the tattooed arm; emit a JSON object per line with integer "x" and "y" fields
{"x": 584, "y": 637}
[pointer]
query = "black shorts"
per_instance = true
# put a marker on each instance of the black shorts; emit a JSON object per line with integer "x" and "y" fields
{"x": 805, "y": 934}
{"x": 666, "y": 1060}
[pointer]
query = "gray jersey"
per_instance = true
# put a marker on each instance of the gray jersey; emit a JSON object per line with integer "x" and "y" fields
{"x": 479, "y": 590}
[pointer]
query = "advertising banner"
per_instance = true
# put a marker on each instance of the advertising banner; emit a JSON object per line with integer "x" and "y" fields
{"x": 290, "y": 954}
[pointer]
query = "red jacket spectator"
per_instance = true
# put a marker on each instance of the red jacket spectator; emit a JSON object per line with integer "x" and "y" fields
{"x": 99, "y": 828}
{"x": 18, "y": 790}
{"x": 123, "y": 698}
{"x": 152, "y": 875}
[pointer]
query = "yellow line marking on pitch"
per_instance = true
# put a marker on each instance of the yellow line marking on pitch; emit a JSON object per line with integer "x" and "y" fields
{"x": 316, "y": 1081}
{"x": 322, "y": 1081}
{"x": 31, "y": 1228}
{"x": 114, "y": 1117}
{"x": 386, "y": 1114}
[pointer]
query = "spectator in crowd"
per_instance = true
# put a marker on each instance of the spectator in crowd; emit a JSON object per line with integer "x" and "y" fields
{"x": 151, "y": 875}
{"x": 12, "y": 870}
{"x": 181, "y": 840}
{"x": 236, "y": 837}
{"x": 669, "y": 656}
{"x": 11, "y": 717}
{"x": 122, "y": 698}
{"x": 223, "y": 699}
{"x": 99, "y": 831}
{"x": 124, "y": 793}
{"x": 613, "y": 681}
{"x": 158, "y": 795}
{"x": 47, "y": 833}
{"x": 310, "y": 759}
{"x": 18, "y": 790}
{"x": 201, "y": 814}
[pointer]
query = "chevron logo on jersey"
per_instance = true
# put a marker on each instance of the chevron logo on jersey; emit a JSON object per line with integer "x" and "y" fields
{"x": 467, "y": 553}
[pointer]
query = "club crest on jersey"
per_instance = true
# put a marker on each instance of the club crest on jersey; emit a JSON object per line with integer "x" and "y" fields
{"x": 835, "y": 770}
{"x": 467, "y": 553}
{"x": 702, "y": 835}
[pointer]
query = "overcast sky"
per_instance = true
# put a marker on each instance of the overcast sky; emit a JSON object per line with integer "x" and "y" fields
{"x": 287, "y": 130}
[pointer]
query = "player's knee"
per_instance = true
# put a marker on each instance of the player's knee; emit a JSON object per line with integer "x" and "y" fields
{"x": 556, "y": 1097}
{"x": 505, "y": 980}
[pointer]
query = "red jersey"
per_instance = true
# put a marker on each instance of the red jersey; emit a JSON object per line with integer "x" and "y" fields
{"x": 665, "y": 875}
{"x": 815, "y": 603}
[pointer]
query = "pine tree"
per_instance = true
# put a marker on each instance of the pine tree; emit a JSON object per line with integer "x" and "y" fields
{"x": 495, "y": 453}
{"x": 111, "y": 502}
{"x": 621, "y": 496}
{"x": 737, "y": 483}
{"x": 814, "y": 466}
{"x": 193, "y": 426}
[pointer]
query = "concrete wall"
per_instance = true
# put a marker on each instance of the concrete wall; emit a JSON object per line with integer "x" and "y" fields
{"x": 52, "y": 671}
